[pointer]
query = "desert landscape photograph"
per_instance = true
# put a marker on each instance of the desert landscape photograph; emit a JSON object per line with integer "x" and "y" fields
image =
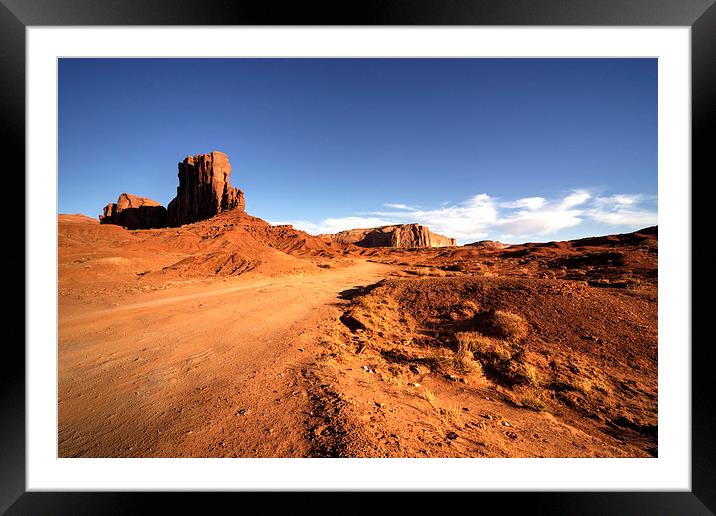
{"x": 357, "y": 258}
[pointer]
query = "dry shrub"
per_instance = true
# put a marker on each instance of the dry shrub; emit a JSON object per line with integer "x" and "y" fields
{"x": 467, "y": 309}
{"x": 427, "y": 395}
{"x": 461, "y": 362}
{"x": 533, "y": 402}
{"x": 520, "y": 372}
{"x": 508, "y": 325}
{"x": 581, "y": 384}
{"x": 498, "y": 357}
{"x": 442, "y": 361}
{"x": 487, "y": 348}
{"x": 464, "y": 361}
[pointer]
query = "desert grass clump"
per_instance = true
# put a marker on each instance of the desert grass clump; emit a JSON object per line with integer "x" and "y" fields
{"x": 498, "y": 357}
{"x": 427, "y": 395}
{"x": 442, "y": 361}
{"x": 533, "y": 402}
{"x": 464, "y": 361}
{"x": 487, "y": 348}
{"x": 508, "y": 325}
{"x": 520, "y": 372}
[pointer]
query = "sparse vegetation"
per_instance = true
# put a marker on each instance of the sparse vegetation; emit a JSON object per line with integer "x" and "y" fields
{"x": 464, "y": 361}
{"x": 427, "y": 395}
{"x": 499, "y": 357}
{"x": 533, "y": 402}
{"x": 503, "y": 325}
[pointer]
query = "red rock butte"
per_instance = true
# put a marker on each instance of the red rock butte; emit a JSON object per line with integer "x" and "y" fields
{"x": 401, "y": 235}
{"x": 134, "y": 212}
{"x": 204, "y": 189}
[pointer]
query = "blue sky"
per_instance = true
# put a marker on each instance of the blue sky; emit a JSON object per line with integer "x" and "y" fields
{"x": 508, "y": 149}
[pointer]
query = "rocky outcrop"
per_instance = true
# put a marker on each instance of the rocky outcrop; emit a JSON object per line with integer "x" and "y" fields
{"x": 134, "y": 212}
{"x": 403, "y": 235}
{"x": 204, "y": 189}
{"x": 488, "y": 244}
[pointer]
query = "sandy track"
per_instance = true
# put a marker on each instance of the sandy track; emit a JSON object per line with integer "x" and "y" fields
{"x": 210, "y": 371}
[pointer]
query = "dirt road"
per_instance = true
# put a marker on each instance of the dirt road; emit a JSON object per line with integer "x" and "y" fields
{"x": 207, "y": 371}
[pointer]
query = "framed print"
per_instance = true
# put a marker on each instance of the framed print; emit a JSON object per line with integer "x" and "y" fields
{"x": 421, "y": 248}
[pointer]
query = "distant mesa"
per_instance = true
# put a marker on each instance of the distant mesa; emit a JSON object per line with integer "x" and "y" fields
{"x": 488, "y": 244}
{"x": 402, "y": 235}
{"x": 134, "y": 212}
{"x": 204, "y": 189}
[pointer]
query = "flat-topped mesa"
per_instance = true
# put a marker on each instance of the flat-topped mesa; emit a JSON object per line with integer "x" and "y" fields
{"x": 134, "y": 212}
{"x": 402, "y": 235}
{"x": 204, "y": 189}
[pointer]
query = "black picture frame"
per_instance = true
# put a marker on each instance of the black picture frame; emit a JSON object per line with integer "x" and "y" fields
{"x": 17, "y": 15}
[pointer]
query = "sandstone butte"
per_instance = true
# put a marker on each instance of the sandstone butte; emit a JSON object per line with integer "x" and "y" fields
{"x": 204, "y": 189}
{"x": 488, "y": 244}
{"x": 134, "y": 212}
{"x": 402, "y": 235}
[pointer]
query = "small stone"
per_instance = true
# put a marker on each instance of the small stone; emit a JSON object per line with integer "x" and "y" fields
{"x": 505, "y": 423}
{"x": 451, "y": 435}
{"x": 466, "y": 409}
{"x": 416, "y": 385}
{"x": 301, "y": 349}
{"x": 511, "y": 435}
{"x": 415, "y": 368}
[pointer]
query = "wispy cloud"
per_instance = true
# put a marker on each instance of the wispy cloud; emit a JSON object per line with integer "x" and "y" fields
{"x": 624, "y": 210}
{"x": 481, "y": 216}
{"x": 398, "y": 206}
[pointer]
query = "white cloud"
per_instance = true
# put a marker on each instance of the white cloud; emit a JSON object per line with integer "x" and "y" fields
{"x": 530, "y": 203}
{"x": 334, "y": 225}
{"x": 575, "y": 199}
{"x": 482, "y": 216}
{"x": 623, "y": 210}
{"x": 539, "y": 223}
{"x": 400, "y": 206}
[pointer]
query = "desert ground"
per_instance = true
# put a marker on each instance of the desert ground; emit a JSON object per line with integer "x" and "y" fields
{"x": 230, "y": 337}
